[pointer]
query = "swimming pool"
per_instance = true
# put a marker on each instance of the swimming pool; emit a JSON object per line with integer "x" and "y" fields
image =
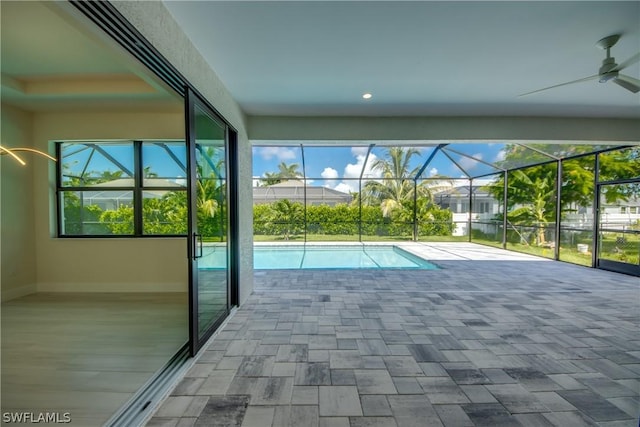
{"x": 327, "y": 256}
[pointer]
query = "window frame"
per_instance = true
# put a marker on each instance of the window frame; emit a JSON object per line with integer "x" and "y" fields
{"x": 138, "y": 190}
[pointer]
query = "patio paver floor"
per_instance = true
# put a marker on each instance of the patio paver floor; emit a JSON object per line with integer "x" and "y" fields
{"x": 492, "y": 339}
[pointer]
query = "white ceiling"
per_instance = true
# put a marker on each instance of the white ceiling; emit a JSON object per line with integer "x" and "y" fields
{"x": 51, "y": 63}
{"x": 417, "y": 57}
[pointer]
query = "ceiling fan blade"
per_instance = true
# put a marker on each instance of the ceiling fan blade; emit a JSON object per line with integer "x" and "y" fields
{"x": 635, "y": 58}
{"x": 561, "y": 84}
{"x": 628, "y": 83}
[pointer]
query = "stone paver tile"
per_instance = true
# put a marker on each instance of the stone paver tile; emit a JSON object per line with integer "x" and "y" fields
{"x": 283, "y": 369}
{"x": 186, "y": 422}
{"x": 402, "y": 366}
{"x": 343, "y": 377}
{"x": 569, "y": 419}
{"x": 516, "y": 398}
{"x": 407, "y": 385}
{"x": 242, "y": 347}
{"x": 442, "y": 390}
{"x": 374, "y": 381}
{"x": 187, "y": 387}
{"x": 304, "y": 395}
{"x": 413, "y": 410}
{"x": 372, "y": 347}
{"x": 468, "y": 376}
{"x": 334, "y": 422}
{"x": 319, "y": 356}
{"x": 593, "y": 405}
{"x": 533, "y": 420}
{"x": 629, "y": 405}
{"x": 567, "y": 382}
{"x": 292, "y": 353}
{"x": 200, "y": 370}
{"x": 607, "y": 388}
{"x": 478, "y": 394}
{"x": 272, "y": 391}
{"x": 426, "y": 353}
{"x": 222, "y": 411}
{"x": 258, "y": 416}
{"x": 375, "y": 405}
{"x": 162, "y": 422}
{"x": 339, "y": 401}
{"x": 372, "y": 422}
{"x": 217, "y": 383}
{"x": 453, "y": 416}
{"x": 296, "y": 416}
{"x": 256, "y": 366}
{"x": 312, "y": 374}
{"x": 553, "y": 401}
{"x": 490, "y": 415}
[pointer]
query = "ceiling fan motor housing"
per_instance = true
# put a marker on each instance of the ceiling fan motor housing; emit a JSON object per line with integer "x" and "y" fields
{"x": 605, "y": 72}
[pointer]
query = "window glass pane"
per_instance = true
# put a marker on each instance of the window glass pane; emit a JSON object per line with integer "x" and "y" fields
{"x": 85, "y": 164}
{"x": 88, "y": 213}
{"x": 164, "y": 212}
{"x": 164, "y": 164}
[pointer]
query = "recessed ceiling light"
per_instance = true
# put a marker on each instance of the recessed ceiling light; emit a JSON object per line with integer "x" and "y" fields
{"x": 367, "y": 95}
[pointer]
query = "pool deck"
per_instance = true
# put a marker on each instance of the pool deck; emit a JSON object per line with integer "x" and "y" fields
{"x": 494, "y": 338}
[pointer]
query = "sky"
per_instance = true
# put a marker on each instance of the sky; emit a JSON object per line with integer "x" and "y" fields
{"x": 336, "y": 167}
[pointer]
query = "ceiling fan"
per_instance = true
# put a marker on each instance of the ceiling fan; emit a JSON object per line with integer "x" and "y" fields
{"x": 609, "y": 71}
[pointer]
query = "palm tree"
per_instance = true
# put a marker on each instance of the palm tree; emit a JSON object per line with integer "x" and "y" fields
{"x": 285, "y": 172}
{"x": 397, "y": 185}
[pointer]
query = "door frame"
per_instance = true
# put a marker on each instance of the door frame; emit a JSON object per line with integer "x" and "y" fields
{"x": 193, "y": 100}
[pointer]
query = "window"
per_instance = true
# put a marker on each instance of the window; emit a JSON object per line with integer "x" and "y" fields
{"x": 623, "y": 209}
{"x": 123, "y": 188}
{"x": 633, "y": 210}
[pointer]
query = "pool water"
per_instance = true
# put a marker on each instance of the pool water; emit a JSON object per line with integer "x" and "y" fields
{"x": 310, "y": 257}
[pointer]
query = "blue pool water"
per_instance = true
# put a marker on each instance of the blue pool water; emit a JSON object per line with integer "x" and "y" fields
{"x": 309, "y": 256}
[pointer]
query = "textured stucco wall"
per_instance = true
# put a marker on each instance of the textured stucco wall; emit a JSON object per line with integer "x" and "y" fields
{"x": 156, "y": 24}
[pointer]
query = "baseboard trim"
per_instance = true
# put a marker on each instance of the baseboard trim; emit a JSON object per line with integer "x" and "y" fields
{"x": 22, "y": 291}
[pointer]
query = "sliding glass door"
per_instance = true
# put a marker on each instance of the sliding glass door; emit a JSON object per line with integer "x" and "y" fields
{"x": 209, "y": 221}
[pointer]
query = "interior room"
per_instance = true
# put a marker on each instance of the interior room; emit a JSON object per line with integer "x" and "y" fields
{"x": 103, "y": 293}
{"x": 85, "y": 322}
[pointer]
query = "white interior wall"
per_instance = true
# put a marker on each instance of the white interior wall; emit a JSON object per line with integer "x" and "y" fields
{"x": 100, "y": 264}
{"x": 17, "y": 237}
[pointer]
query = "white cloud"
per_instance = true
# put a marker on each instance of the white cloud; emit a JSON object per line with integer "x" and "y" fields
{"x": 500, "y": 156}
{"x": 359, "y": 151}
{"x": 468, "y": 164}
{"x": 329, "y": 173}
{"x": 281, "y": 153}
{"x": 345, "y": 188}
{"x": 433, "y": 172}
{"x": 353, "y": 170}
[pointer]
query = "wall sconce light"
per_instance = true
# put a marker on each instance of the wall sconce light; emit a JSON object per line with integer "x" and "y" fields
{"x": 11, "y": 152}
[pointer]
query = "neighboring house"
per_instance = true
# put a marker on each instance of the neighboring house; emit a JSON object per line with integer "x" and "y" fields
{"x": 456, "y": 199}
{"x": 620, "y": 215}
{"x": 294, "y": 190}
{"x": 108, "y": 199}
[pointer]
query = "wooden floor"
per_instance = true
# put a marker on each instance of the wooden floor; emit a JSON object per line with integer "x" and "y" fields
{"x": 86, "y": 354}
